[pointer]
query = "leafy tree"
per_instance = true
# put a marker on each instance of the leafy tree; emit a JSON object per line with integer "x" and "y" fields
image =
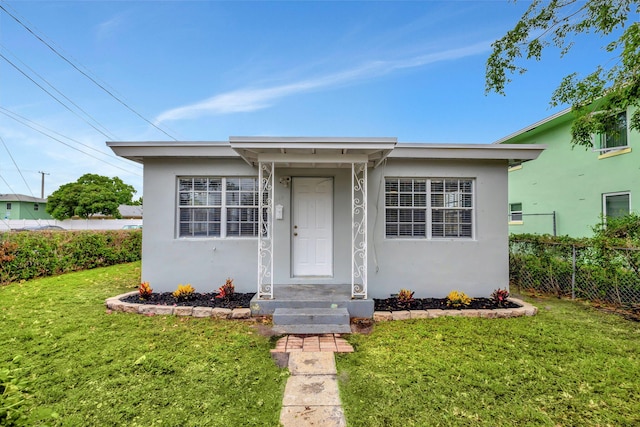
{"x": 91, "y": 194}
{"x": 609, "y": 89}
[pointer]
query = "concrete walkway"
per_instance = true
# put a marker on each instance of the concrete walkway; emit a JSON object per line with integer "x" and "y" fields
{"x": 311, "y": 396}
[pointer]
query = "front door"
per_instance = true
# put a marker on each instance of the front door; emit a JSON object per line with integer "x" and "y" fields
{"x": 312, "y": 226}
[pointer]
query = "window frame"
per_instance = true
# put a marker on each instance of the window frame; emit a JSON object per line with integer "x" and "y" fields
{"x": 618, "y": 193}
{"x": 8, "y": 206}
{"x": 226, "y": 201}
{"x": 429, "y": 207}
{"x": 515, "y": 215}
{"x": 36, "y": 207}
{"x": 599, "y": 137}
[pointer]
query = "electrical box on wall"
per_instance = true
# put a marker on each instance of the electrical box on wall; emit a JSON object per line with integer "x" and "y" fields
{"x": 279, "y": 211}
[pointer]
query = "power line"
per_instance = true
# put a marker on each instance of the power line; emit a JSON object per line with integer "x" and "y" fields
{"x": 16, "y": 165}
{"x": 85, "y": 153}
{"x": 60, "y": 93}
{"x": 32, "y": 125}
{"x": 52, "y": 95}
{"x": 108, "y": 92}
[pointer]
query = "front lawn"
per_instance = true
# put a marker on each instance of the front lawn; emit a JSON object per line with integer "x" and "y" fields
{"x": 568, "y": 366}
{"x": 93, "y": 368}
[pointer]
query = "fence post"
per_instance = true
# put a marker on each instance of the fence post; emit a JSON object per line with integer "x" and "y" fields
{"x": 554, "y": 224}
{"x": 573, "y": 271}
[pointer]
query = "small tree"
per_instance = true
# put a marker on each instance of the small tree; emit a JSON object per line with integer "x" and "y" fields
{"x": 91, "y": 194}
{"x": 595, "y": 99}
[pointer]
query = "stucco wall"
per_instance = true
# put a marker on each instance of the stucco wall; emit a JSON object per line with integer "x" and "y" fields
{"x": 570, "y": 181}
{"x": 430, "y": 267}
{"x": 433, "y": 268}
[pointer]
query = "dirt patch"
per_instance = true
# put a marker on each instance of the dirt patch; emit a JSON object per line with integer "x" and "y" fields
{"x": 361, "y": 325}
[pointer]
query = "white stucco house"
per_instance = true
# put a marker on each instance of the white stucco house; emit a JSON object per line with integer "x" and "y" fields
{"x": 369, "y": 214}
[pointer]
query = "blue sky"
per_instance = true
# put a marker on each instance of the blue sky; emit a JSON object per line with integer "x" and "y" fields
{"x": 207, "y": 70}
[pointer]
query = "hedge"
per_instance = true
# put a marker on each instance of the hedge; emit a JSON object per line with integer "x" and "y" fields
{"x": 27, "y": 255}
{"x": 605, "y": 269}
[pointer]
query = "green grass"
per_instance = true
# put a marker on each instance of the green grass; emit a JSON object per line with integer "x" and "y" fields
{"x": 94, "y": 368}
{"x": 568, "y": 366}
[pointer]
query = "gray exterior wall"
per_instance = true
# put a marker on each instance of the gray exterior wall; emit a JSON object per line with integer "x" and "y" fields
{"x": 432, "y": 268}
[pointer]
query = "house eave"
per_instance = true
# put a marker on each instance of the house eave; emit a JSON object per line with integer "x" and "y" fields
{"x": 533, "y": 127}
{"x": 137, "y": 151}
{"x": 322, "y": 152}
{"x": 510, "y": 152}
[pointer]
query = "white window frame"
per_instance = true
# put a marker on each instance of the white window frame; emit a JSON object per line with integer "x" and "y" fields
{"x": 513, "y": 212}
{"x": 607, "y": 195}
{"x": 597, "y": 138}
{"x": 223, "y": 205}
{"x": 450, "y": 202}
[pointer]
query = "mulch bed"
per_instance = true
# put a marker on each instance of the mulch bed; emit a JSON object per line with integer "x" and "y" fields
{"x": 237, "y": 300}
{"x": 392, "y": 304}
{"x": 242, "y": 300}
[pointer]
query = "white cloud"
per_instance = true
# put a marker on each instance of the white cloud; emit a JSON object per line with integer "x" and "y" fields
{"x": 108, "y": 28}
{"x": 252, "y": 99}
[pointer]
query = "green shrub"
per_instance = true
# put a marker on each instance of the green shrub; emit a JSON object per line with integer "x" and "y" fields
{"x": 28, "y": 255}
{"x": 607, "y": 265}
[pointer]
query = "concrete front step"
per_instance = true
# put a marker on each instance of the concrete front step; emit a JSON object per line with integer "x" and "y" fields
{"x": 312, "y": 296}
{"x": 310, "y": 316}
{"x": 311, "y": 329}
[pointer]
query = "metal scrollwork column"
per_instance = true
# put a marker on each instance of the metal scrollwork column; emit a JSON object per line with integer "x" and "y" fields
{"x": 265, "y": 230}
{"x": 359, "y": 230}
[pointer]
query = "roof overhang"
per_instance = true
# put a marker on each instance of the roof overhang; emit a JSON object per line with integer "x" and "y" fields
{"x": 553, "y": 120}
{"x": 138, "y": 150}
{"x": 513, "y": 153}
{"x": 321, "y": 152}
{"x": 312, "y": 151}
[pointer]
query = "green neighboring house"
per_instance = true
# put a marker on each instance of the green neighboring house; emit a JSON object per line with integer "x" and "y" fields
{"x": 568, "y": 190}
{"x": 19, "y": 206}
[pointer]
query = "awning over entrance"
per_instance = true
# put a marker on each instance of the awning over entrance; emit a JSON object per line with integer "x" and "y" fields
{"x": 315, "y": 152}
{"x": 358, "y": 153}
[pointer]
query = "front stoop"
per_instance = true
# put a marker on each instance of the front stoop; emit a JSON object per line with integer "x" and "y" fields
{"x": 312, "y": 296}
{"x": 311, "y": 320}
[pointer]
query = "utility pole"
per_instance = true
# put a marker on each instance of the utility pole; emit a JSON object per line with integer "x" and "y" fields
{"x": 42, "y": 184}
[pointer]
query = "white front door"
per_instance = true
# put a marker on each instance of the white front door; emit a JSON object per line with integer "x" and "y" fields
{"x": 312, "y": 226}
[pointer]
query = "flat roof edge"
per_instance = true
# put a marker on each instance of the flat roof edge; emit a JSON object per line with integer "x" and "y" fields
{"x": 313, "y": 139}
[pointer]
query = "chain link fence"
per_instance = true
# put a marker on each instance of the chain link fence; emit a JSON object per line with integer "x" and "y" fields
{"x": 596, "y": 273}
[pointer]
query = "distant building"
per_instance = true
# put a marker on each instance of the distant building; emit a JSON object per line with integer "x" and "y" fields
{"x": 567, "y": 190}
{"x": 20, "y": 206}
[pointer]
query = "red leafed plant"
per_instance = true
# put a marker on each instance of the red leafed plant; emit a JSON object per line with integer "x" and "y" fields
{"x": 405, "y": 296}
{"x": 226, "y": 290}
{"x": 500, "y": 296}
{"x": 145, "y": 290}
